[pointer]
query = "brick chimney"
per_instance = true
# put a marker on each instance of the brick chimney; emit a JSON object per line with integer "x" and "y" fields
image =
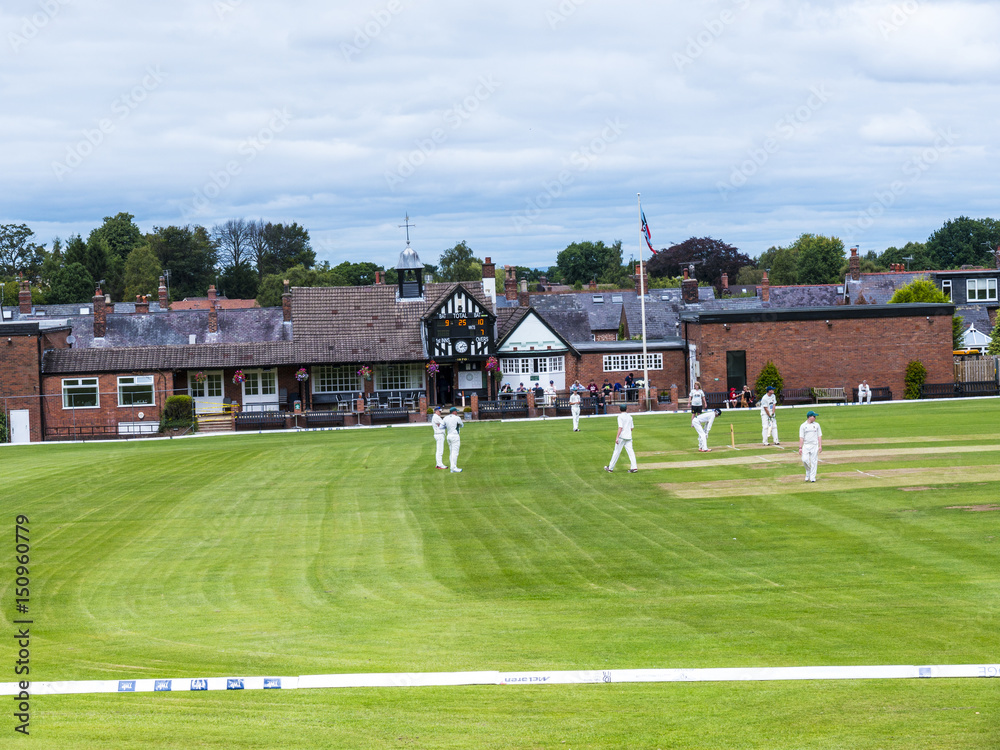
{"x": 855, "y": 265}
{"x": 162, "y": 293}
{"x": 765, "y": 288}
{"x": 24, "y": 298}
{"x": 489, "y": 269}
{"x": 593, "y": 285}
{"x": 510, "y": 282}
{"x": 142, "y": 303}
{"x": 100, "y": 314}
{"x": 286, "y": 303}
{"x": 643, "y": 279}
{"x": 725, "y": 285}
{"x": 378, "y": 278}
{"x": 213, "y": 310}
{"x": 490, "y": 280}
{"x": 522, "y": 295}
{"x": 689, "y": 289}
{"x": 109, "y": 306}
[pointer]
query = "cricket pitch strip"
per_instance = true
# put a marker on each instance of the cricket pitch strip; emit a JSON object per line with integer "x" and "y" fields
{"x": 905, "y": 478}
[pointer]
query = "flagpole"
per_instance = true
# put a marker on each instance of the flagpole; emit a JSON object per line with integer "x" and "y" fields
{"x": 642, "y": 306}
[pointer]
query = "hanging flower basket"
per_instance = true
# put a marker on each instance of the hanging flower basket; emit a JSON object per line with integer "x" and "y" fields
{"x": 239, "y": 377}
{"x": 200, "y": 377}
{"x": 433, "y": 368}
{"x": 302, "y": 376}
{"x": 493, "y": 368}
{"x": 365, "y": 372}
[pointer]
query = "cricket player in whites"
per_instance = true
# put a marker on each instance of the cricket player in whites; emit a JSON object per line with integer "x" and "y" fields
{"x": 623, "y": 440}
{"x": 437, "y": 422}
{"x": 452, "y": 426}
{"x": 574, "y": 408}
{"x": 768, "y": 424}
{"x": 810, "y": 444}
{"x": 702, "y": 424}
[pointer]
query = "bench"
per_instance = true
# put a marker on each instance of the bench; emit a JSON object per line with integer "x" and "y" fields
{"x": 324, "y": 418}
{"x": 940, "y": 390}
{"x": 980, "y": 388}
{"x": 81, "y": 432}
{"x": 388, "y": 416}
{"x": 879, "y": 393}
{"x": 587, "y": 406}
{"x": 332, "y": 402}
{"x": 833, "y": 395}
{"x": 260, "y": 420}
{"x": 791, "y": 396}
{"x": 717, "y": 400}
{"x": 503, "y": 409}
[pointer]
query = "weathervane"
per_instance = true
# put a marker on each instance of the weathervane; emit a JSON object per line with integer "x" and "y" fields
{"x": 407, "y": 225}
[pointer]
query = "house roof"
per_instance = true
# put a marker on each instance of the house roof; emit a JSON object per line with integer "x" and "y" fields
{"x": 368, "y": 324}
{"x": 177, "y": 327}
{"x": 190, "y": 357}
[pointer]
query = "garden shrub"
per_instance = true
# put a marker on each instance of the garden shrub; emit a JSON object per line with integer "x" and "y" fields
{"x": 916, "y": 376}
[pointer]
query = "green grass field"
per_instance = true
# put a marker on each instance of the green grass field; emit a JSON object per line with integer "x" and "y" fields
{"x": 346, "y": 551}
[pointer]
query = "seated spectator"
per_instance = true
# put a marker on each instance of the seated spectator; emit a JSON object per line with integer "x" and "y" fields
{"x": 746, "y": 398}
{"x": 593, "y": 388}
{"x": 606, "y": 387}
{"x": 521, "y": 388}
{"x": 629, "y": 381}
{"x": 733, "y": 398}
{"x": 577, "y": 386}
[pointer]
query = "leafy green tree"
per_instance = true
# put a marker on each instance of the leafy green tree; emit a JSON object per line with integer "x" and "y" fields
{"x": 769, "y": 375}
{"x": 287, "y": 246}
{"x": 585, "y": 261}
{"x": 957, "y": 331}
{"x": 239, "y": 282}
{"x": 190, "y": 256}
{"x": 749, "y": 275}
{"x": 918, "y": 290}
{"x": 819, "y": 259}
{"x": 120, "y": 233}
{"x": 920, "y": 258}
{"x": 994, "y": 345}
{"x": 916, "y": 376}
{"x": 272, "y": 286}
{"x": 71, "y": 284}
{"x": 142, "y": 272}
{"x": 964, "y": 241}
{"x": 459, "y": 264}
{"x": 18, "y": 254}
{"x": 354, "y": 274}
{"x": 781, "y": 264}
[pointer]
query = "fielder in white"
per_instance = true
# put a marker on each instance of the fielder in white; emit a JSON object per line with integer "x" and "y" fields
{"x": 864, "y": 393}
{"x": 697, "y": 397}
{"x": 623, "y": 440}
{"x": 574, "y": 408}
{"x": 452, "y": 425}
{"x": 437, "y": 422}
{"x": 768, "y": 424}
{"x": 702, "y": 424}
{"x": 810, "y": 444}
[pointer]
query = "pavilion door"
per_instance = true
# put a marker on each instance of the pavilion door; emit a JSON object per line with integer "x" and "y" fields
{"x": 20, "y": 426}
{"x": 736, "y": 370}
{"x": 207, "y": 394}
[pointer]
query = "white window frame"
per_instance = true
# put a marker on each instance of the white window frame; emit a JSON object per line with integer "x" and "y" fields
{"x": 208, "y": 387}
{"x": 399, "y": 377}
{"x": 335, "y": 379}
{"x": 532, "y": 365}
{"x": 259, "y": 383}
{"x": 981, "y": 290}
{"x": 946, "y": 288}
{"x": 82, "y": 386}
{"x": 632, "y": 362}
{"x": 135, "y": 382}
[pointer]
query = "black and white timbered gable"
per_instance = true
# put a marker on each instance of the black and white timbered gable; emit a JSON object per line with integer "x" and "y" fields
{"x": 460, "y": 328}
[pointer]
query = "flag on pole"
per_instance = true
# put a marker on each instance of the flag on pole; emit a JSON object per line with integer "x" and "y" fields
{"x": 645, "y": 233}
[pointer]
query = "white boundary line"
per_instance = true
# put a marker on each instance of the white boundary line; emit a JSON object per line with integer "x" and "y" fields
{"x": 491, "y": 677}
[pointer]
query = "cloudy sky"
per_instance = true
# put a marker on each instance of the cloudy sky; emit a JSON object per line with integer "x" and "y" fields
{"x": 518, "y": 126}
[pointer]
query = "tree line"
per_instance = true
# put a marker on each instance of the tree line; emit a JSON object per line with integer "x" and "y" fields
{"x": 251, "y": 258}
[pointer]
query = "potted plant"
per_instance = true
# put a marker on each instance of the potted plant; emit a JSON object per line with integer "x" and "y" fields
{"x": 365, "y": 372}
{"x": 239, "y": 377}
{"x": 302, "y": 375}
